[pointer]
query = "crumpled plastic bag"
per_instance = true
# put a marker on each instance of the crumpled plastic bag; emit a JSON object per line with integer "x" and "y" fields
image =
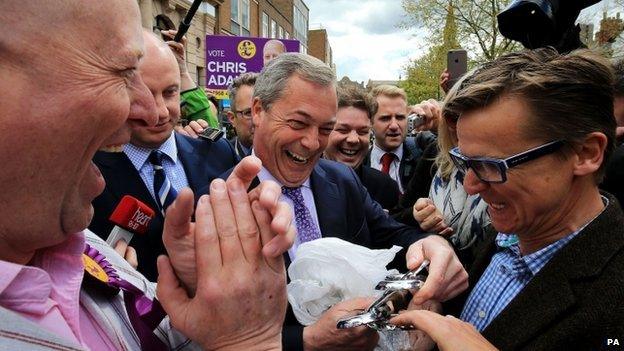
{"x": 329, "y": 270}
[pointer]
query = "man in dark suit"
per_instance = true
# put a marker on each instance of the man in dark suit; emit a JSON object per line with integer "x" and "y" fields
{"x": 348, "y": 144}
{"x": 241, "y": 91}
{"x": 185, "y": 161}
{"x": 392, "y": 152}
{"x": 535, "y": 129}
{"x": 294, "y": 108}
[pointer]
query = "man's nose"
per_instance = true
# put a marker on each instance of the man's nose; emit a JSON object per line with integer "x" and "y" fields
{"x": 472, "y": 184}
{"x": 142, "y": 103}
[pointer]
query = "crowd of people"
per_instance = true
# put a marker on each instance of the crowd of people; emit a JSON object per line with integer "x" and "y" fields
{"x": 510, "y": 188}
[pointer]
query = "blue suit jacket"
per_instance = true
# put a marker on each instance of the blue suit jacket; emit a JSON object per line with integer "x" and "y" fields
{"x": 202, "y": 161}
{"x": 345, "y": 210}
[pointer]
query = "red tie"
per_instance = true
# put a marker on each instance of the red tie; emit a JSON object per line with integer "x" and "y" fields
{"x": 386, "y": 161}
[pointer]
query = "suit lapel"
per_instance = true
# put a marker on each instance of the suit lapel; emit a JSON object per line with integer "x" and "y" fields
{"x": 24, "y": 332}
{"x": 327, "y": 199}
{"x": 191, "y": 159}
{"x": 550, "y": 293}
{"x": 122, "y": 178}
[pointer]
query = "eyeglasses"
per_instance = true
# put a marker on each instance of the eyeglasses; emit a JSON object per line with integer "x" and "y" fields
{"x": 493, "y": 170}
{"x": 246, "y": 113}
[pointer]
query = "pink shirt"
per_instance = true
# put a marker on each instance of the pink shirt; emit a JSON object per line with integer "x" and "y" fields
{"x": 47, "y": 293}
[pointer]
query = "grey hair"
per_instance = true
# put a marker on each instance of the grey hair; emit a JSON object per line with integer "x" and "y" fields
{"x": 273, "y": 78}
{"x": 248, "y": 79}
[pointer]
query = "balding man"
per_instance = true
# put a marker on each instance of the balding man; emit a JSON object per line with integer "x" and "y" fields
{"x": 272, "y": 49}
{"x": 186, "y": 162}
{"x": 60, "y": 285}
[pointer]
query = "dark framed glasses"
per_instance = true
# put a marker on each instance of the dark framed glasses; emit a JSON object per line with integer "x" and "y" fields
{"x": 246, "y": 113}
{"x": 494, "y": 170}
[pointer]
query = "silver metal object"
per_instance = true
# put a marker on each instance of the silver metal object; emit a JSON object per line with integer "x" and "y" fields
{"x": 396, "y": 297}
{"x": 414, "y": 121}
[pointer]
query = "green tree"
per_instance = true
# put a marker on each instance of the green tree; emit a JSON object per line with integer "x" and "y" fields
{"x": 423, "y": 74}
{"x": 477, "y": 28}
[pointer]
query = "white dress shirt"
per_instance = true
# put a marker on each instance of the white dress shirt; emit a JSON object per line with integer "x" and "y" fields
{"x": 308, "y": 198}
{"x": 377, "y": 153}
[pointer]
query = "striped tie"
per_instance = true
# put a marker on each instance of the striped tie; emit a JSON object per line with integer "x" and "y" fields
{"x": 165, "y": 193}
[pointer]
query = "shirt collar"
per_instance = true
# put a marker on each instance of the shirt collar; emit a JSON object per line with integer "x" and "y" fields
{"x": 264, "y": 174}
{"x": 538, "y": 259}
{"x": 53, "y": 273}
{"x": 139, "y": 155}
{"x": 378, "y": 152}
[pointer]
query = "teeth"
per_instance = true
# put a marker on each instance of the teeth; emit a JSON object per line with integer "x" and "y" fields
{"x": 297, "y": 158}
{"x": 497, "y": 206}
{"x": 349, "y": 152}
{"x": 112, "y": 148}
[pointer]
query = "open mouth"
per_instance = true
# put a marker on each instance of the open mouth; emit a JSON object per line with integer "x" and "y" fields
{"x": 297, "y": 158}
{"x": 393, "y": 135}
{"x": 349, "y": 152}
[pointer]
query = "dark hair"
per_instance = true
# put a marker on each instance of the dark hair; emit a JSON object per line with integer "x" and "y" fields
{"x": 248, "y": 79}
{"x": 569, "y": 95}
{"x": 350, "y": 96}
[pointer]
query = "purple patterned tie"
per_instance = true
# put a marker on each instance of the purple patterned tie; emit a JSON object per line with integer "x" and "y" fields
{"x": 306, "y": 228}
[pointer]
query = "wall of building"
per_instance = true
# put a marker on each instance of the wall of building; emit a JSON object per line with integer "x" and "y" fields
{"x": 202, "y": 24}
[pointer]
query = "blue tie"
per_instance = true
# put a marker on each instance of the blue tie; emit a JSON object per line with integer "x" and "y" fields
{"x": 306, "y": 228}
{"x": 165, "y": 193}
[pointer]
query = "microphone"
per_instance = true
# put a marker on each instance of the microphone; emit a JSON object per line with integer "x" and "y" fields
{"x": 131, "y": 216}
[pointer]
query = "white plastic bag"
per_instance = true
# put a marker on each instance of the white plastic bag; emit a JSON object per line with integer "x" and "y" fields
{"x": 329, "y": 270}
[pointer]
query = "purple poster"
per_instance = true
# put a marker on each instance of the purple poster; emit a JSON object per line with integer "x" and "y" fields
{"x": 227, "y": 57}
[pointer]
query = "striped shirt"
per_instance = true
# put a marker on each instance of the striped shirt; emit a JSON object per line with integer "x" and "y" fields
{"x": 173, "y": 168}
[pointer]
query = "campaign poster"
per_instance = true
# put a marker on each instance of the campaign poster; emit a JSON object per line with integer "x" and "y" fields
{"x": 227, "y": 57}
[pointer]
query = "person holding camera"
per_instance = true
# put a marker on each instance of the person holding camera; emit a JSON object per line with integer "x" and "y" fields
{"x": 393, "y": 151}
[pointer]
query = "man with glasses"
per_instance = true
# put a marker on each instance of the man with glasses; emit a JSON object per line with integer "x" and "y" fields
{"x": 240, "y": 92}
{"x": 535, "y": 130}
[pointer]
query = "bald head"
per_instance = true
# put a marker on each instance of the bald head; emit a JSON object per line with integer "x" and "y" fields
{"x": 272, "y": 49}
{"x": 160, "y": 72}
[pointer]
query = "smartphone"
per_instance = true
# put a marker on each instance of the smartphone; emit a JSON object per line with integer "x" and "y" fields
{"x": 456, "y": 64}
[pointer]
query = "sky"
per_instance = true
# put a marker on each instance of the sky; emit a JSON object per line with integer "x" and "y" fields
{"x": 367, "y": 42}
{"x": 365, "y": 38}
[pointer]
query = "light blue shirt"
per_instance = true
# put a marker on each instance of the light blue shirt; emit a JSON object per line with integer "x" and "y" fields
{"x": 173, "y": 168}
{"x": 505, "y": 277}
{"x": 308, "y": 199}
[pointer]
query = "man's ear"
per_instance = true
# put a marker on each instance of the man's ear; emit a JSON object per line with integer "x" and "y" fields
{"x": 256, "y": 108}
{"x": 590, "y": 154}
{"x": 231, "y": 116}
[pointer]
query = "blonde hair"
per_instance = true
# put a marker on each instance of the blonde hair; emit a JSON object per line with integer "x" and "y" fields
{"x": 390, "y": 91}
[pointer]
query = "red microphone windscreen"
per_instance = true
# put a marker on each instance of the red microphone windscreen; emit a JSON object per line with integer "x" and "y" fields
{"x": 132, "y": 215}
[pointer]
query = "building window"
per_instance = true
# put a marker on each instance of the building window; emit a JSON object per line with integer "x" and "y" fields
{"x": 239, "y": 17}
{"x": 265, "y": 25}
{"x": 301, "y": 27}
{"x": 286, "y": 35}
{"x": 280, "y": 32}
{"x": 273, "y": 29}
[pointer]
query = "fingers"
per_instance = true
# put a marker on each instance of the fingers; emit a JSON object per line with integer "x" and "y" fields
{"x": 209, "y": 254}
{"x": 180, "y": 129}
{"x": 120, "y": 247}
{"x": 246, "y": 170}
{"x": 225, "y": 221}
{"x": 274, "y": 258}
{"x": 247, "y": 228}
{"x": 168, "y": 290}
{"x": 178, "y": 216}
{"x": 426, "y": 321}
{"x": 131, "y": 257}
{"x": 193, "y": 129}
{"x": 443, "y": 268}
